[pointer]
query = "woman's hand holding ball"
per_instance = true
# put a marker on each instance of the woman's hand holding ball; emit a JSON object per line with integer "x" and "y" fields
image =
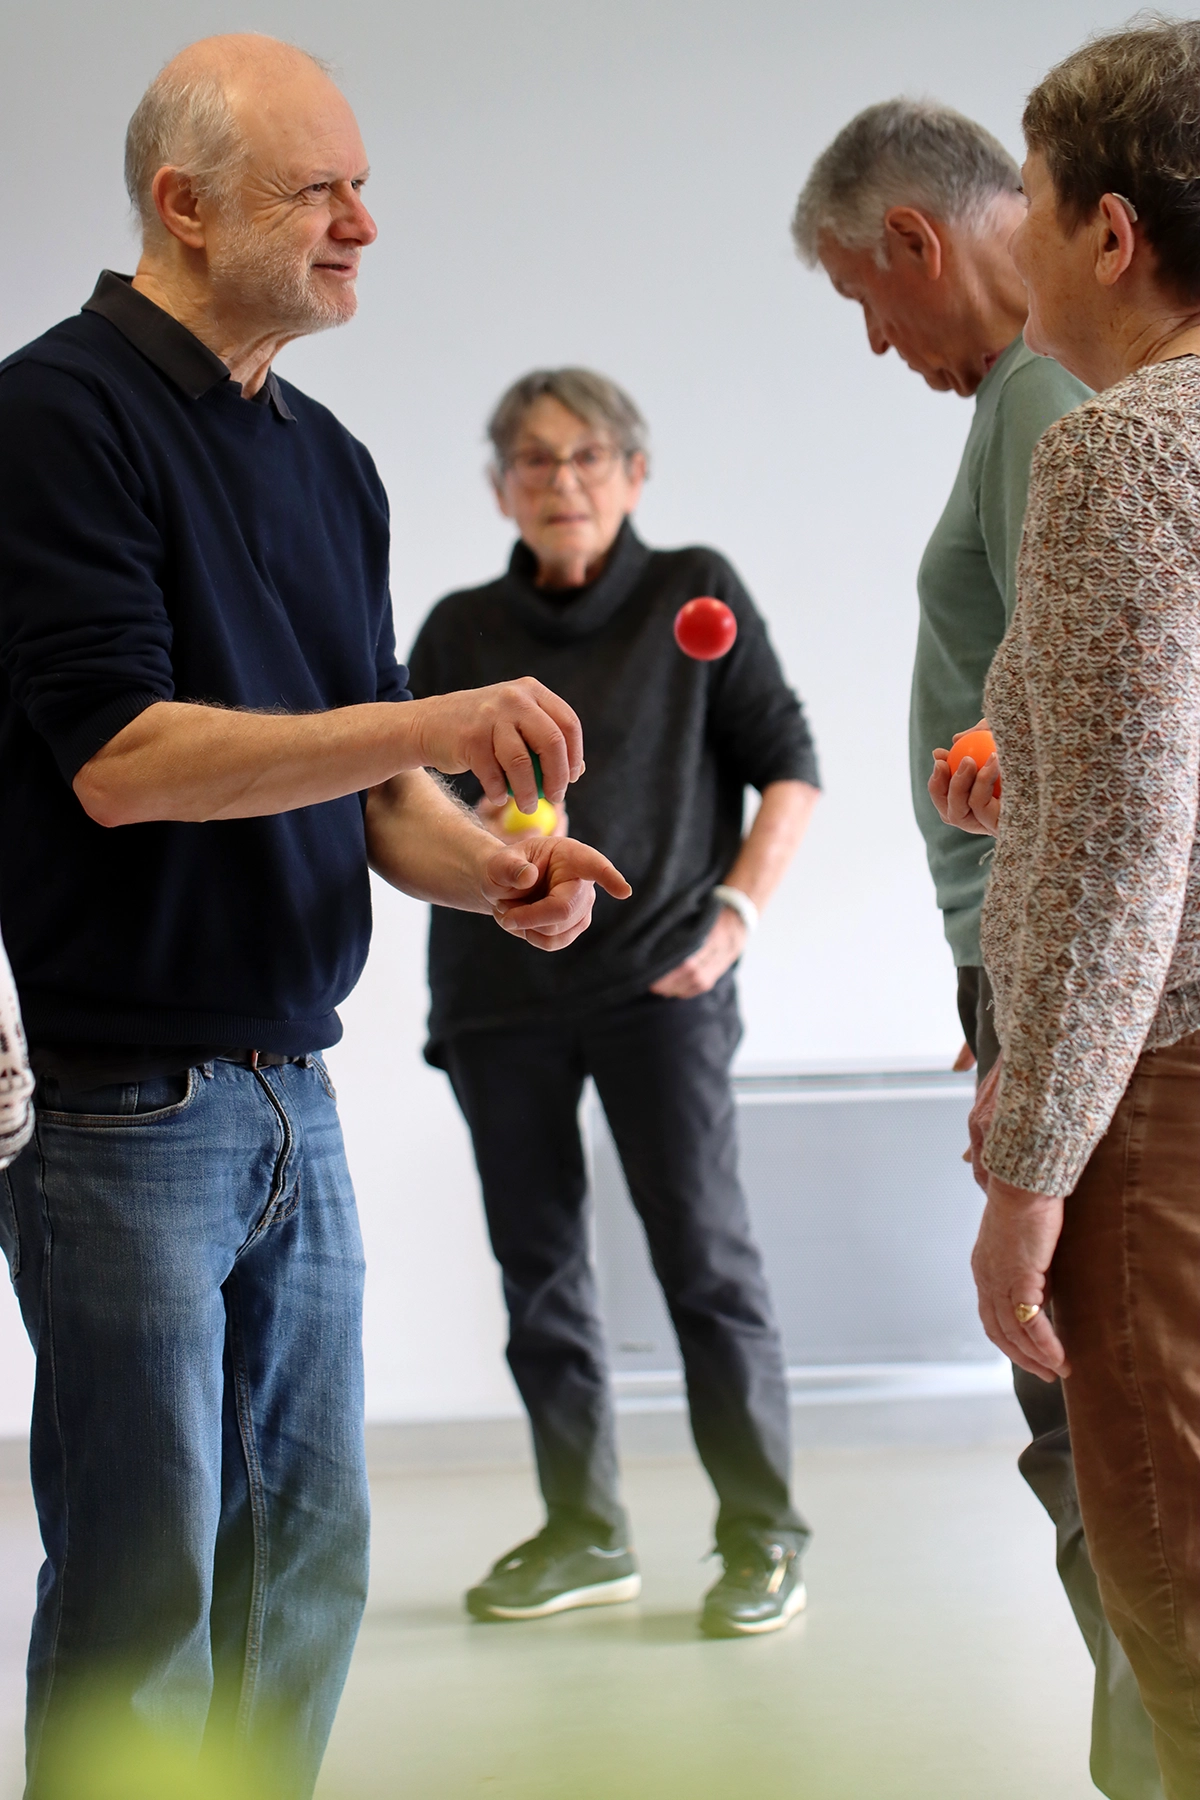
{"x": 965, "y": 784}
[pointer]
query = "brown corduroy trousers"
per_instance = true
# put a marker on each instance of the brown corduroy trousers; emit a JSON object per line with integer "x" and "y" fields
{"x": 1126, "y": 1284}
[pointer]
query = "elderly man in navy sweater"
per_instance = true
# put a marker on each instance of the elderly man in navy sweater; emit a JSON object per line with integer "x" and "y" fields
{"x": 204, "y": 749}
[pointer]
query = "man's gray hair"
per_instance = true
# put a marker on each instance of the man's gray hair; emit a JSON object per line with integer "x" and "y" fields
{"x": 593, "y": 398}
{"x": 185, "y": 120}
{"x": 900, "y": 153}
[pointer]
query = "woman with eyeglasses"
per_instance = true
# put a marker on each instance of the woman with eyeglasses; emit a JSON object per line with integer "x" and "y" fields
{"x": 647, "y": 1007}
{"x": 1088, "y": 1136}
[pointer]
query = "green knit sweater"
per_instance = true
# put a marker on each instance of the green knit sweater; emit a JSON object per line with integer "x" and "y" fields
{"x": 967, "y": 590}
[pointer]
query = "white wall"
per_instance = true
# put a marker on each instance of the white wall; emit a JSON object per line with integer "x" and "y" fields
{"x": 608, "y": 182}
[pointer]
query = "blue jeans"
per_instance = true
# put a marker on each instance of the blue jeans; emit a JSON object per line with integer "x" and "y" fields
{"x": 187, "y": 1257}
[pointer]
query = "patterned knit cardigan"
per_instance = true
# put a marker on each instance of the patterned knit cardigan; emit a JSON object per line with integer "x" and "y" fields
{"x": 1091, "y": 928}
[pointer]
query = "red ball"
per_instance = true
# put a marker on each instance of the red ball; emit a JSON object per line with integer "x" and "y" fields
{"x": 705, "y": 629}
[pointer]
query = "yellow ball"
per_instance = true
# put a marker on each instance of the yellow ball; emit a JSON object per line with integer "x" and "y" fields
{"x": 543, "y": 820}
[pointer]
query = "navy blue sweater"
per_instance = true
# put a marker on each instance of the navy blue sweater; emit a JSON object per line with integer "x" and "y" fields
{"x": 164, "y": 538}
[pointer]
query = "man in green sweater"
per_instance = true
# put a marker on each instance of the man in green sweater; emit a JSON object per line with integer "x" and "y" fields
{"x": 910, "y": 211}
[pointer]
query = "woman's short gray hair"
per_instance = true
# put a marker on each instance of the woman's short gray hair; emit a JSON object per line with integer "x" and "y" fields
{"x": 900, "y": 153}
{"x": 593, "y": 398}
{"x": 185, "y": 119}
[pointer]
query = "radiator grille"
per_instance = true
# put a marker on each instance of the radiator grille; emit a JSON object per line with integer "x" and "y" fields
{"x": 865, "y": 1214}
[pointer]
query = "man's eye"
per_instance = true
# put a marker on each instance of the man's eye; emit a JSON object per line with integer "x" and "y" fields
{"x": 588, "y": 458}
{"x": 318, "y": 187}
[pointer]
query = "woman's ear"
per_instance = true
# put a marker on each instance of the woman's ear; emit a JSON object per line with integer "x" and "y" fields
{"x": 1116, "y": 239}
{"x": 497, "y": 482}
{"x": 635, "y": 474}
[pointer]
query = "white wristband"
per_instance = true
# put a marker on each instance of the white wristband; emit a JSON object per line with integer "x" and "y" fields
{"x": 739, "y": 903}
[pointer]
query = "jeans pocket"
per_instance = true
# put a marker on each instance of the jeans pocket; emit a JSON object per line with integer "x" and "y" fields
{"x": 120, "y": 1106}
{"x": 323, "y": 1075}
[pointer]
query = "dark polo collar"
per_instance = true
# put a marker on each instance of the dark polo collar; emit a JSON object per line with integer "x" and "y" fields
{"x": 170, "y": 346}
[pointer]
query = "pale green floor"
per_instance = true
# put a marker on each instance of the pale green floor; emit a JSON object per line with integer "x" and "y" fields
{"x": 937, "y": 1659}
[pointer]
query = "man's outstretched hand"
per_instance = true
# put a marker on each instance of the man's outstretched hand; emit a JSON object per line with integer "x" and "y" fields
{"x": 543, "y": 890}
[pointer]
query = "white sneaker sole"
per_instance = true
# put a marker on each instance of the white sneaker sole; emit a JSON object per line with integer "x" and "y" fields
{"x": 600, "y": 1593}
{"x": 797, "y": 1600}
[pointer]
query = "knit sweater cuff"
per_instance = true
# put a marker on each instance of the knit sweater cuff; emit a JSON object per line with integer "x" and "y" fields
{"x": 1041, "y": 1163}
{"x": 74, "y": 747}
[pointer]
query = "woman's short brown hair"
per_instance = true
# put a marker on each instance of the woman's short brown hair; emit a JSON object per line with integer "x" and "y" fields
{"x": 1122, "y": 115}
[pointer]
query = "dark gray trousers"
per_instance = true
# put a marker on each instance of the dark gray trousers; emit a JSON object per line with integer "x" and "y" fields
{"x": 661, "y": 1069}
{"x": 1123, "y": 1764}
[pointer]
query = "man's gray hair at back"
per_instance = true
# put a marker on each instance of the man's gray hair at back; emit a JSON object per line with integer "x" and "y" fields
{"x": 900, "y": 153}
{"x": 186, "y": 121}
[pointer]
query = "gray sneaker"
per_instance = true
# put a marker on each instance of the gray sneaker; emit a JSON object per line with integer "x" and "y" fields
{"x": 761, "y": 1590}
{"x": 548, "y": 1574}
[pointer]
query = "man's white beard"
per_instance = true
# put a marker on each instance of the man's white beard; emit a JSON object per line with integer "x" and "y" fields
{"x": 255, "y": 275}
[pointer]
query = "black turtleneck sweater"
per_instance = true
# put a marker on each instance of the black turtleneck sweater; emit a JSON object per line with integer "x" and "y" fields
{"x": 671, "y": 745}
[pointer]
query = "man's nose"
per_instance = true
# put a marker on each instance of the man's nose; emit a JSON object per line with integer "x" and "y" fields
{"x": 354, "y": 222}
{"x": 877, "y": 337}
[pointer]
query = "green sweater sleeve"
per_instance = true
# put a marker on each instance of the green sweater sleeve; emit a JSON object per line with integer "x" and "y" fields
{"x": 1037, "y": 393}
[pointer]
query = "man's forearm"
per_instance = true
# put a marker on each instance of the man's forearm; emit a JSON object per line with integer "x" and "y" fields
{"x": 177, "y": 761}
{"x": 773, "y": 839}
{"x": 193, "y": 763}
{"x": 423, "y": 841}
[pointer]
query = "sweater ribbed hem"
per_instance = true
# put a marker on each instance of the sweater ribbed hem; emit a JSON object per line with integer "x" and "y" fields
{"x": 445, "y": 1021}
{"x": 1052, "y": 1163}
{"x": 961, "y": 927}
{"x": 1177, "y": 1017}
{"x": 51, "y": 1022}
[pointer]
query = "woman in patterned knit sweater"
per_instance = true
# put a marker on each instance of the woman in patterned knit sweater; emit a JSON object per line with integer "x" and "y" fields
{"x": 1087, "y": 1139}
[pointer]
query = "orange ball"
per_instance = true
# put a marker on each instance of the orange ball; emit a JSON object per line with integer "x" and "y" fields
{"x": 978, "y": 745}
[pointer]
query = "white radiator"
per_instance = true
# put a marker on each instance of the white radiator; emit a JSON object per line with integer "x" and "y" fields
{"x": 865, "y": 1214}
